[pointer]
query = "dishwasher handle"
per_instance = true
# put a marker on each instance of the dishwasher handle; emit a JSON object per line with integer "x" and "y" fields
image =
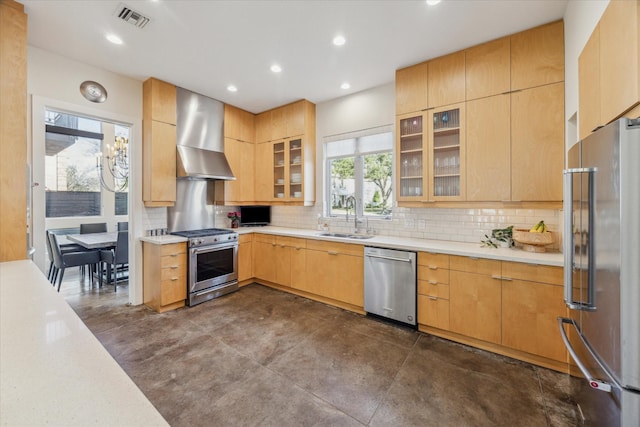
{"x": 390, "y": 258}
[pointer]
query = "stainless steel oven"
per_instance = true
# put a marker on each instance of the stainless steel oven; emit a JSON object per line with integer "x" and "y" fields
{"x": 212, "y": 264}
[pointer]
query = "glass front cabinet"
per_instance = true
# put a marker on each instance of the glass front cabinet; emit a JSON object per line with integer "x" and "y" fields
{"x": 288, "y": 170}
{"x": 430, "y": 155}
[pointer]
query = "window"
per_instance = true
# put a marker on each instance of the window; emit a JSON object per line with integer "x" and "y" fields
{"x": 71, "y": 178}
{"x": 122, "y": 190}
{"x": 360, "y": 164}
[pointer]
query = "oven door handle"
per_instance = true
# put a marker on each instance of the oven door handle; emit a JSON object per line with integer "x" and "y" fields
{"x": 213, "y": 248}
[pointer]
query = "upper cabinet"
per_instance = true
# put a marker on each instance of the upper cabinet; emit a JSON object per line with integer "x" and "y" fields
{"x": 239, "y": 149}
{"x": 239, "y": 124}
{"x": 446, "y": 80}
{"x": 411, "y": 89}
{"x": 283, "y": 122}
{"x": 479, "y": 130}
{"x": 537, "y": 56}
{"x": 609, "y": 68}
{"x": 488, "y": 69}
{"x": 158, "y": 143}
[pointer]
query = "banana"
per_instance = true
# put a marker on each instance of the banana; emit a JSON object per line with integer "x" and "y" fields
{"x": 540, "y": 227}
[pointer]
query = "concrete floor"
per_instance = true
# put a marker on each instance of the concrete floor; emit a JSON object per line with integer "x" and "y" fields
{"x": 261, "y": 357}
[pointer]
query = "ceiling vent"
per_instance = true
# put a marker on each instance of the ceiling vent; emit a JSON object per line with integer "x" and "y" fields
{"x": 131, "y": 16}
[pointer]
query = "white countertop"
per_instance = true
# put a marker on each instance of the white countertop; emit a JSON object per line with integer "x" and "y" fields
{"x": 439, "y": 246}
{"x": 164, "y": 239}
{"x": 53, "y": 370}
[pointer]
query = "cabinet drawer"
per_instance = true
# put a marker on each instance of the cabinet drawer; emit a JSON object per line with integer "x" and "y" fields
{"x": 293, "y": 242}
{"x": 173, "y": 290}
{"x": 173, "y": 249}
{"x": 341, "y": 248}
{"x": 245, "y": 238}
{"x": 533, "y": 272}
{"x": 433, "y": 274}
{"x": 433, "y": 312}
{"x": 487, "y": 267}
{"x": 171, "y": 261}
{"x": 433, "y": 260}
{"x": 264, "y": 238}
{"x": 173, "y": 271}
{"x": 438, "y": 290}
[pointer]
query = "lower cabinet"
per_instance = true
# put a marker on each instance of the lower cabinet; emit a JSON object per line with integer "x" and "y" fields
{"x": 164, "y": 275}
{"x": 264, "y": 257}
{"x": 245, "y": 257}
{"x": 433, "y": 290}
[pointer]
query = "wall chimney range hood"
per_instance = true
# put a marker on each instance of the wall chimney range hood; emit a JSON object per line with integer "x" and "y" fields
{"x": 200, "y": 137}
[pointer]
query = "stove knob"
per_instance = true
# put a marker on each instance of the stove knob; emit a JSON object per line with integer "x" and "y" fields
{"x": 215, "y": 239}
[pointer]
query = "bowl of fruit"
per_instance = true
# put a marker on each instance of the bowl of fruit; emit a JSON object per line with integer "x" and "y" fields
{"x": 535, "y": 239}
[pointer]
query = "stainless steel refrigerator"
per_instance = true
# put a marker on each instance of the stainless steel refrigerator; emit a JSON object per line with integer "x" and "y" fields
{"x": 602, "y": 273}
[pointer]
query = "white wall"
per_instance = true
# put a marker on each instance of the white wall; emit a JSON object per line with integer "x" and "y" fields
{"x": 580, "y": 18}
{"x": 54, "y": 81}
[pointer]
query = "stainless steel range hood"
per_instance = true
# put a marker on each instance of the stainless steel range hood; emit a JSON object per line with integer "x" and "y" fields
{"x": 200, "y": 134}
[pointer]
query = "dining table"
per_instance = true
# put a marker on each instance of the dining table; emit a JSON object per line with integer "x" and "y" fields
{"x": 95, "y": 240}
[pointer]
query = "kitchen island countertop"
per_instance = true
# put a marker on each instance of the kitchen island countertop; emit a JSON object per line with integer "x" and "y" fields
{"x": 53, "y": 370}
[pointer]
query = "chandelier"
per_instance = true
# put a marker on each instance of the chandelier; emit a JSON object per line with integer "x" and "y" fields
{"x": 116, "y": 162}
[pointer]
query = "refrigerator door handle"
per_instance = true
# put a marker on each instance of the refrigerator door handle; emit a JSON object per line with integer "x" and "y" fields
{"x": 569, "y": 242}
{"x": 593, "y": 382}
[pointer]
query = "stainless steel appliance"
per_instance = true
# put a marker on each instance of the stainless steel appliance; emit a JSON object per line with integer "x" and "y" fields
{"x": 212, "y": 263}
{"x": 390, "y": 284}
{"x": 602, "y": 273}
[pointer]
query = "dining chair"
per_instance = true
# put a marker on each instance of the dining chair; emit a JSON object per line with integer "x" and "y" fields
{"x": 118, "y": 256}
{"x": 123, "y": 226}
{"x": 62, "y": 261}
{"x": 98, "y": 227}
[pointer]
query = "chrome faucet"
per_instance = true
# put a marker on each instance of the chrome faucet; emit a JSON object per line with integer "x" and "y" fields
{"x": 356, "y": 221}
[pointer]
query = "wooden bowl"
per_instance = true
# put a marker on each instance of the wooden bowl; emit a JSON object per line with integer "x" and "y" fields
{"x": 532, "y": 242}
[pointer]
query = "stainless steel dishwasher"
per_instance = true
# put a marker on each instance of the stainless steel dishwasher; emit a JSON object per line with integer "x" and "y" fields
{"x": 390, "y": 284}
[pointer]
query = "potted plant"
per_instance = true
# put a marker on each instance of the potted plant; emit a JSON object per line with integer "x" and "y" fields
{"x": 503, "y": 237}
{"x": 235, "y": 219}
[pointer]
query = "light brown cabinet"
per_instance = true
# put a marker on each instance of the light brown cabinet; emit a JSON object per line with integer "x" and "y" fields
{"x": 537, "y": 143}
{"x": 245, "y": 257}
{"x": 532, "y": 300}
{"x": 264, "y": 257}
{"x": 475, "y": 298}
{"x": 411, "y": 156}
{"x": 537, "y": 56}
{"x": 158, "y": 143}
{"x": 285, "y": 122}
{"x": 411, "y": 89}
{"x": 433, "y": 290}
{"x": 164, "y": 275}
{"x": 264, "y": 172}
{"x": 263, "y": 127}
{"x": 335, "y": 271}
{"x": 446, "y": 80}
{"x": 13, "y": 131}
{"x": 488, "y": 69}
{"x": 239, "y": 124}
{"x": 241, "y": 157}
{"x": 488, "y": 149}
{"x": 609, "y": 68}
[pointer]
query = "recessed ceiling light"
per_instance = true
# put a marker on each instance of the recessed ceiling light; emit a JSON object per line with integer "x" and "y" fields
{"x": 232, "y": 88}
{"x": 345, "y": 85}
{"x": 433, "y": 2}
{"x": 339, "y": 40}
{"x": 114, "y": 39}
{"x": 276, "y": 68}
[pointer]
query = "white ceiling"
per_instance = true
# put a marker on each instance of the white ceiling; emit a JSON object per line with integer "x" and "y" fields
{"x": 204, "y": 46}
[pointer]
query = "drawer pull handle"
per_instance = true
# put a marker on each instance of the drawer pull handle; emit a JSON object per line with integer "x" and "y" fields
{"x": 282, "y": 246}
{"x": 273, "y": 244}
{"x": 173, "y": 267}
{"x": 495, "y": 276}
{"x": 173, "y": 279}
{"x": 433, "y": 282}
{"x": 332, "y": 252}
{"x": 432, "y": 298}
{"x": 509, "y": 279}
{"x": 433, "y": 267}
{"x": 174, "y": 255}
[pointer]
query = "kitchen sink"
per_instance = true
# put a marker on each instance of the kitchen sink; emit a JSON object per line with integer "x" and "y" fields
{"x": 347, "y": 235}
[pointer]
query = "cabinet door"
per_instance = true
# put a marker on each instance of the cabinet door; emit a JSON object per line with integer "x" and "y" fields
{"x": 411, "y": 89}
{"x": 488, "y": 69}
{"x": 238, "y": 124}
{"x": 446, "y": 153}
{"x": 263, "y": 127}
{"x": 537, "y": 56}
{"x": 619, "y": 51}
{"x": 298, "y": 267}
{"x": 245, "y": 260}
{"x": 433, "y": 311}
{"x": 446, "y": 80}
{"x": 278, "y": 124}
{"x": 295, "y": 164}
{"x": 589, "y": 86}
{"x": 280, "y": 167}
{"x": 317, "y": 272}
{"x": 264, "y": 260}
{"x": 537, "y": 143}
{"x": 475, "y": 301}
{"x": 241, "y": 157}
{"x": 159, "y": 101}
{"x": 347, "y": 284}
{"x": 411, "y": 158}
{"x": 264, "y": 172}
{"x": 529, "y": 318}
{"x": 488, "y": 146}
{"x": 294, "y": 118}
{"x": 283, "y": 264}
{"x": 159, "y": 164}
